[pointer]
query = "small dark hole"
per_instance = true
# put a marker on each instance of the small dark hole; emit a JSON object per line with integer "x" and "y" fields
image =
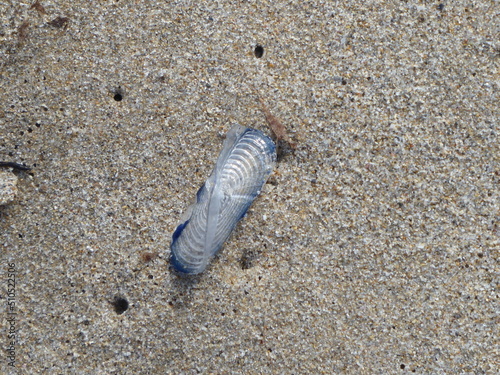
{"x": 402, "y": 367}
{"x": 30, "y": 130}
{"x": 258, "y": 51}
{"x": 344, "y": 82}
{"x": 118, "y": 97}
{"x": 441, "y": 6}
{"x": 37, "y": 124}
{"x": 120, "y": 304}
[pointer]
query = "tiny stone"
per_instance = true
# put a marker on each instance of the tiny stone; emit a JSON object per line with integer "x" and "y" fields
{"x": 8, "y": 187}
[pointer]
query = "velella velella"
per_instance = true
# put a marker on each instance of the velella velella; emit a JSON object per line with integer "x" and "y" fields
{"x": 247, "y": 159}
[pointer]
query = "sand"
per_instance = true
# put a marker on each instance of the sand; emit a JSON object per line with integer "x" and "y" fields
{"x": 373, "y": 249}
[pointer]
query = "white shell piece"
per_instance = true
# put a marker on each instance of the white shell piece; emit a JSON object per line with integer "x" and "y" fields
{"x": 8, "y": 187}
{"x": 247, "y": 159}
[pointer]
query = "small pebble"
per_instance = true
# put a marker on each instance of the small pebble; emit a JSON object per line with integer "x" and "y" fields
{"x": 8, "y": 187}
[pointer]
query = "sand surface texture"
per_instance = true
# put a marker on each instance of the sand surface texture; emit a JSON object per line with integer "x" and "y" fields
{"x": 374, "y": 248}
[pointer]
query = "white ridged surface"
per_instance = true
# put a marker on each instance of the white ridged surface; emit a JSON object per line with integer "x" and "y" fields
{"x": 244, "y": 164}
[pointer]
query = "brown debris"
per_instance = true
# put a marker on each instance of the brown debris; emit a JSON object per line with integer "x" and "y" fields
{"x": 22, "y": 31}
{"x": 148, "y": 256}
{"x": 59, "y": 22}
{"x": 276, "y": 126}
{"x": 38, "y": 7}
{"x": 278, "y": 129}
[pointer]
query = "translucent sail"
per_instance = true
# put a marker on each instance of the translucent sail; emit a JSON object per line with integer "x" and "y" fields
{"x": 247, "y": 159}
